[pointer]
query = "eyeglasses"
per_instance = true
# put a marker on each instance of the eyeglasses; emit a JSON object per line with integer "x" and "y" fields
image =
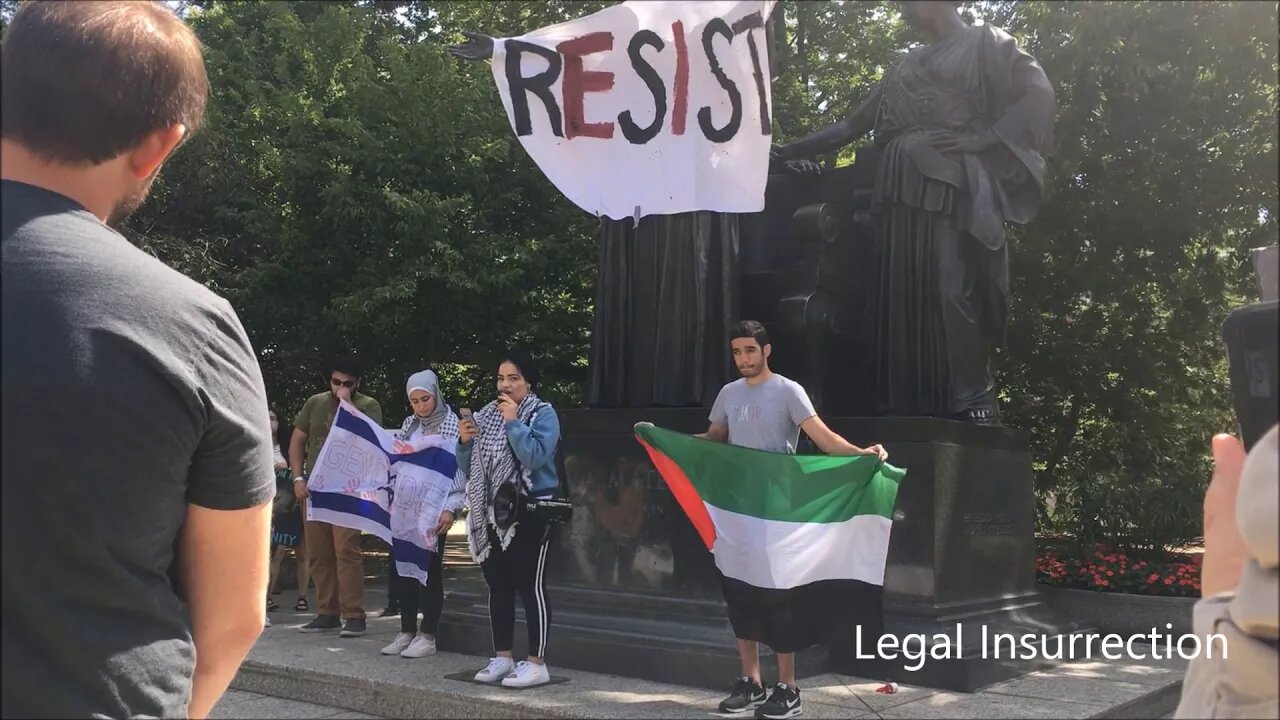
{"x": 342, "y": 383}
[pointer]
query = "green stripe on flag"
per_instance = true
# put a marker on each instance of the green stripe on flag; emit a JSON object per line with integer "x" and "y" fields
{"x": 774, "y": 486}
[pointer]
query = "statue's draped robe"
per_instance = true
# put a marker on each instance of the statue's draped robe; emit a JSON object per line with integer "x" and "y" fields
{"x": 666, "y": 295}
{"x": 938, "y": 306}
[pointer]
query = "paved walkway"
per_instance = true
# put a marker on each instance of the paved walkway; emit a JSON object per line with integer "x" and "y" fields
{"x": 336, "y": 673}
{"x": 240, "y": 704}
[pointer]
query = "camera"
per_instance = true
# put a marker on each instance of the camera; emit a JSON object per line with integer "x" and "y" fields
{"x": 510, "y": 503}
{"x": 1250, "y": 333}
{"x": 552, "y": 510}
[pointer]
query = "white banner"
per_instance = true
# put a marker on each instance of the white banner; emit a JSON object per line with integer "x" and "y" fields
{"x": 646, "y": 107}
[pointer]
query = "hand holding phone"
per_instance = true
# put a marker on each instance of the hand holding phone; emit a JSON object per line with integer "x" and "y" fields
{"x": 1250, "y": 336}
{"x": 467, "y": 426}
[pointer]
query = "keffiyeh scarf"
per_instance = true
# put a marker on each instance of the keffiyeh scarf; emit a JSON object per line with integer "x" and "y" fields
{"x": 492, "y": 464}
{"x": 447, "y": 426}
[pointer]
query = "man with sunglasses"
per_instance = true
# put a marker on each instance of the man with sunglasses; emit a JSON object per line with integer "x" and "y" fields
{"x": 334, "y": 552}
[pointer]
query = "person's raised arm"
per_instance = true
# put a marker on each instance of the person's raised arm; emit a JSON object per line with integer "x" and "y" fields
{"x": 534, "y": 445}
{"x": 831, "y": 443}
{"x": 716, "y": 432}
{"x": 718, "y": 420}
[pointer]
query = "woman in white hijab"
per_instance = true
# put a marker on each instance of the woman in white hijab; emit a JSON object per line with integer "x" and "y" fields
{"x": 431, "y": 416}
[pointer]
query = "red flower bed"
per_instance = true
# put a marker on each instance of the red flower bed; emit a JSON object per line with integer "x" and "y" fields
{"x": 1109, "y": 570}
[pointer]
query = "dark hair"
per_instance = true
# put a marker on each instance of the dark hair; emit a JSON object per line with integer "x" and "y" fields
{"x": 524, "y": 363}
{"x": 749, "y": 329}
{"x": 82, "y": 82}
{"x": 347, "y": 364}
{"x": 283, "y": 434}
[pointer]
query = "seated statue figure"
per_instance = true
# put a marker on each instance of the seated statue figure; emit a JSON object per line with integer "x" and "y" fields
{"x": 961, "y": 127}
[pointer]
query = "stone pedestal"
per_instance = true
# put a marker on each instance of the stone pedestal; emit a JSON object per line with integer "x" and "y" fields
{"x": 634, "y": 592}
{"x": 962, "y": 552}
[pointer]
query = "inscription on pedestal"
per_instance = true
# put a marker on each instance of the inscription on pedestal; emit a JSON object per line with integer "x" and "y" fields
{"x": 987, "y": 523}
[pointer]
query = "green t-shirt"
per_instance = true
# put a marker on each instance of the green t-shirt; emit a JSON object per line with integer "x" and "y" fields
{"x": 316, "y": 417}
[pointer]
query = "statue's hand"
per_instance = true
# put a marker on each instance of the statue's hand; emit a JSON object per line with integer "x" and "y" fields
{"x": 971, "y": 143}
{"x": 779, "y": 152}
{"x": 801, "y": 167}
{"x": 477, "y": 47}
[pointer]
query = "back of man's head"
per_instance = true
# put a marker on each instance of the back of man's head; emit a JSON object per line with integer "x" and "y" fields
{"x": 83, "y": 82}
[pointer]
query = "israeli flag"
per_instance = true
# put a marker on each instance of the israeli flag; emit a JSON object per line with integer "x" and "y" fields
{"x": 366, "y": 480}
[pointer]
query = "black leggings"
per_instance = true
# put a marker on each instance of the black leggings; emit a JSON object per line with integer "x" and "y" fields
{"x": 411, "y": 596}
{"x": 519, "y": 569}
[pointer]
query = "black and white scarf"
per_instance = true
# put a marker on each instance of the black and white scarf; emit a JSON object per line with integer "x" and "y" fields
{"x": 492, "y": 464}
{"x": 446, "y": 426}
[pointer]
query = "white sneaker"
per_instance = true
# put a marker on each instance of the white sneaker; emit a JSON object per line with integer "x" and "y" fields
{"x": 527, "y": 674}
{"x": 420, "y": 647}
{"x": 497, "y": 669}
{"x": 268, "y": 623}
{"x": 400, "y": 643}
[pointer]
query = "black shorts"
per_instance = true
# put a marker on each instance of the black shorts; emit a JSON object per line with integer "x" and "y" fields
{"x": 778, "y": 618}
{"x": 821, "y": 613}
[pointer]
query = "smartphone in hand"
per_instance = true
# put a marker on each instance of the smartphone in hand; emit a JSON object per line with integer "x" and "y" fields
{"x": 1250, "y": 336}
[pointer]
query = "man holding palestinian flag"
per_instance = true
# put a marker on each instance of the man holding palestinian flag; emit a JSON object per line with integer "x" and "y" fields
{"x": 798, "y": 540}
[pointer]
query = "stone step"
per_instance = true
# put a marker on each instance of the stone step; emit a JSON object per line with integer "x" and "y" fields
{"x": 350, "y": 673}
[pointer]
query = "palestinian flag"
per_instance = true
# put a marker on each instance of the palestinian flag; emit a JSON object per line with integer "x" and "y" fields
{"x": 801, "y": 540}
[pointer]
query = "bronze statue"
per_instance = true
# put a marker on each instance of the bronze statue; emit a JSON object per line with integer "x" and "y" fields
{"x": 963, "y": 125}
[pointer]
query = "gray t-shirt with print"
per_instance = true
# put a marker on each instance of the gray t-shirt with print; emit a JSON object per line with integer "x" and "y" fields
{"x": 766, "y": 416}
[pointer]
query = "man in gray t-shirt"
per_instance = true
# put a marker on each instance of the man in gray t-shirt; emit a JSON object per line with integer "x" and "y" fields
{"x": 766, "y": 411}
{"x": 766, "y": 415}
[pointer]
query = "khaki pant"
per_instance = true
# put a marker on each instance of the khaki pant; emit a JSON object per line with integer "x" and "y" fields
{"x": 337, "y": 569}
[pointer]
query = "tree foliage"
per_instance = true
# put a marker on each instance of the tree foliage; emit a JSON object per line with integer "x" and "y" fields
{"x": 1163, "y": 177}
{"x": 357, "y": 187}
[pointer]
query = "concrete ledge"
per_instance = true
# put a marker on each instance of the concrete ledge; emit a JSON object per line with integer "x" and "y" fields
{"x": 349, "y": 673}
{"x": 1122, "y": 613}
{"x": 1156, "y": 704}
{"x": 376, "y": 697}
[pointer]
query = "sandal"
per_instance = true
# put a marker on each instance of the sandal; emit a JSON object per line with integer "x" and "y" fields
{"x": 302, "y": 605}
{"x": 272, "y": 605}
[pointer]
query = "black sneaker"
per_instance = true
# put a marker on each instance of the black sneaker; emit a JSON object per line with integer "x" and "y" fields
{"x": 352, "y": 627}
{"x": 783, "y": 702}
{"x": 747, "y": 694}
{"x": 321, "y": 623}
{"x": 389, "y": 611}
